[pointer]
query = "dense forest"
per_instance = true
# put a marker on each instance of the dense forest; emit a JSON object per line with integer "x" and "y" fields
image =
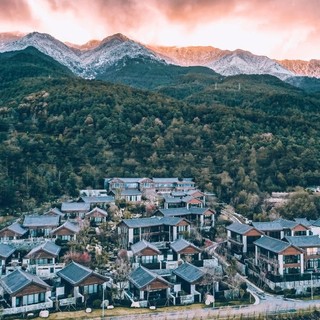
{"x": 240, "y": 137}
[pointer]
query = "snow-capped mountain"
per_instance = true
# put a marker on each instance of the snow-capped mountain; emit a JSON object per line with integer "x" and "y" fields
{"x": 113, "y": 49}
{"x": 302, "y": 68}
{"x": 95, "y": 57}
{"x": 49, "y": 46}
{"x": 85, "y": 63}
{"x": 225, "y": 62}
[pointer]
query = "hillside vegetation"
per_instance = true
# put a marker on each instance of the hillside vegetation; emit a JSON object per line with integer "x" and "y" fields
{"x": 60, "y": 133}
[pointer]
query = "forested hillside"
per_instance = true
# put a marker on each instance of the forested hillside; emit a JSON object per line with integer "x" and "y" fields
{"x": 60, "y": 133}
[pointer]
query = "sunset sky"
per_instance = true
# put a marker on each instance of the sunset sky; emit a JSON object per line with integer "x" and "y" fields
{"x": 276, "y": 28}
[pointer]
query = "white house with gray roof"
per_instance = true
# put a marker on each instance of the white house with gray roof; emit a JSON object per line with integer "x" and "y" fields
{"x": 24, "y": 292}
{"x": 43, "y": 260}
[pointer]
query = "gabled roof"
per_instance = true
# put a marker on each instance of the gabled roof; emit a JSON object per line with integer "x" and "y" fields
{"x": 100, "y": 199}
{"x": 41, "y": 221}
{"x": 273, "y": 245}
{"x": 181, "y": 244}
{"x": 75, "y": 206}
{"x": 55, "y": 211}
{"x": 96, "y": 209}
{"x": 142, "y": 277}
{"x": 305, "y": 221}
{"x": 152, "y": 221}
{"x": 48, "y": 247}
{"x": 67, "y": 225}
{"x": 6, "y": 251}
{"x": 304, "y": 241}
{"x": 169, "y": 199}
{"x": 189, "y": 272}
{"x": 241, "y": 228}
{"x": 75, "y": 273}
{"x": 15, "y": 228}
{"x": 18, "y": 279}
{"x": 141, "y": 245}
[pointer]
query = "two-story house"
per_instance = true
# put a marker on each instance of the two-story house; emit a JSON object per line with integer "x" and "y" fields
{"x": 154, "y": 229}
{"x": 241, "y": 238}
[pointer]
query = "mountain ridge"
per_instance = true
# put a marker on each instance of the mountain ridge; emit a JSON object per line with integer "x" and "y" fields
{"x": 95, "y": 57}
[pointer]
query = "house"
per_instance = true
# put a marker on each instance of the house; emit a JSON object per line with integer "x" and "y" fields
{"x": 97, "y": 216}
{"x": 166, "y": 185}
{"x": 241, "y": 238}
{"x": 190, "y": 278}
{"x": 311, "y": 247}
{"x": 42, "y": 260}
{"x": 24, "y": 292}
{"x": 154, "y": 229}
{"x": 146, "y": 254}
{"x": 276, "y": 258}
{"x": 66, "y": 232}
{"x": 13, "y": 232}
{"x": 281, "y": 228}
{"x": 6, "y": 252}
{"x": 203, "y": 218}
{"x": 75, "y": 209}
{"x": 185, "y": 250}
{"x": 79, "y": 281}
{"x": 148, "y": 287}
{"x": 40, "y": 226}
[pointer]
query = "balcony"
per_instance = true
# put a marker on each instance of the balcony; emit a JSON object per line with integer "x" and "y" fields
{"x": 29, "y": 308}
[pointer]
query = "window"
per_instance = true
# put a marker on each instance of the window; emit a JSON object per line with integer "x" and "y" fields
{"x": 92, "y": 288}
{"x": 33, "y": 298}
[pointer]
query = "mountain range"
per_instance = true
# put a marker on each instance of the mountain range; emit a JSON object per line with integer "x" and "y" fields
{"x": 98, "y": 59}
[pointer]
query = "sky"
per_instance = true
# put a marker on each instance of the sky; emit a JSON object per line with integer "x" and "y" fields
{"x": 280, "y": 29}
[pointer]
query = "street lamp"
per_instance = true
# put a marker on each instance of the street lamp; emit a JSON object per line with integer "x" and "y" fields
{"x": 103, "y": 289}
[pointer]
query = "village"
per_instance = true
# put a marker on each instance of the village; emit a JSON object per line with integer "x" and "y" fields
{"x": 148, "y": 243}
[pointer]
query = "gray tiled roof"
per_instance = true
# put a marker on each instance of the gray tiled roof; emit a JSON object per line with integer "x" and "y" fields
{"x": 304, "y": 241}
{"x": 55, "y": 211}
{"x": 100, "y": 199}
{"x": 16, "y": 228}
{"x": 130, "y": 192}
{"x": 19, "y": 279}
{"x": 181, "y": 244}
{"x": 316, "y": 223}
{"x": 68, "y": 225}
{"x": 239, "y": 228}
{"x": 169, "y": 199}
{"x": 44, "y": 220}
{"x": 6, "y": 250}
{"x": 287, "y": 224}
{"x": 178, "y": 193}
{"x": 141, "y": 245}
{"x": 268, "y": 226}
{"x": 305, "y": 221}
{"x": 48, "y": 246}
{"x": 141, "y": 277}
{"x": 189, "y": 272}
{"x": 165, "y": 180}
{"x": 150, "y": 222}
{"x": 272, "y": 244}
{"x": 75, "y": 206}
{"x": 171, "y": 212}
{"x": 74, "y": 273}
{"x": 103, "y": 212}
